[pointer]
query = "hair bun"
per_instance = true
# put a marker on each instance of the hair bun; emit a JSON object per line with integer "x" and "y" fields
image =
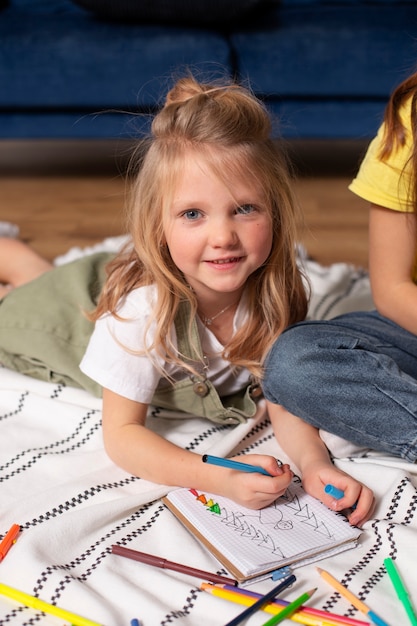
{"x": 185, "y": 89}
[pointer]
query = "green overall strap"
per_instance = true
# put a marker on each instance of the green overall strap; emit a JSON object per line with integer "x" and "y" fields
{"x": 197, "y": 395}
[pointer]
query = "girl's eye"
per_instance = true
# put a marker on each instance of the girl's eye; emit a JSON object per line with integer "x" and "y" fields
{"x": 192, "y": 214}
{"x": 244, "y": 209}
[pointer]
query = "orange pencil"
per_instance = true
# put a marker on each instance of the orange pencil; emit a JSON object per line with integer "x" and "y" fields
{"x": 9, "y": 539}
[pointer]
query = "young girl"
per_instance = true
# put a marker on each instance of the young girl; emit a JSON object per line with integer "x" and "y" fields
{"x": 356, "y": 376}
{"x": 191, "y": 307}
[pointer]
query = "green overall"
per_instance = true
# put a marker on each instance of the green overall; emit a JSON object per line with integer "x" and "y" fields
{"x": 44, "y": 334}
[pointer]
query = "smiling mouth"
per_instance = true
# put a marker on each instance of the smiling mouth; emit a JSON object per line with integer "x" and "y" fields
{"x": 233, "y": 259}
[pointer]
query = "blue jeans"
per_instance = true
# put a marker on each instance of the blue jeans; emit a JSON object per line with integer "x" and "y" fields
{"x": 354, "y": 376}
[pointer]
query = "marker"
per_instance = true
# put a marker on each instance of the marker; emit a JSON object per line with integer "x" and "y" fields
{"x": 357, "y": 603}
{"x": 331, "y": 490}
{"x": 290, "y": 609}
{"x": 243, "y": 467}
{"x": 9, "y": 539}
{"x": 400, "y": 589}
{"x": 158, "y": 561}
{"x": 40, "y": 605}
{"x": 317, "y": 615}
{"x": 134, "y": 622}
{"x": 259, "y": 604}
{"x": 336, "y": 493}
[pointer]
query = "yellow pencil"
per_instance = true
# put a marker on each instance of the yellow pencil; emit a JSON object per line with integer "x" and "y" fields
{"x": 239, "y": 598}
{"x": 40, "y": 605}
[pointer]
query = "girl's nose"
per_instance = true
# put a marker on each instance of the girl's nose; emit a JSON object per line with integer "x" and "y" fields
{"x": 223, "y": 234}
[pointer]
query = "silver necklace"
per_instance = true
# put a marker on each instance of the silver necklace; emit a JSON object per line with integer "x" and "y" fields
{"x": 207, "y": 321}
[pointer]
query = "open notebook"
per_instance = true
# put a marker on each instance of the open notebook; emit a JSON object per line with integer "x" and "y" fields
{"x": 296, "y": 529}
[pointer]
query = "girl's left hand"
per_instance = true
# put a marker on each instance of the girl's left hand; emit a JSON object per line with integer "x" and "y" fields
{"x": 358, "y": 501}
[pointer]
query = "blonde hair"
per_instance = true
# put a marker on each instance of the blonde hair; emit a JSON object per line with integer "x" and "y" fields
{"x": 230, "y": 129}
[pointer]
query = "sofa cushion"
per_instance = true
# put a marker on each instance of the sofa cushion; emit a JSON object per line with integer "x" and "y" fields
{"x": 197, "y": 12}
{"x": 55, "y": 55}
{"x": 65, "y": 73}
{"x": 328, "y": 67}
{"x": 333, "y": 50}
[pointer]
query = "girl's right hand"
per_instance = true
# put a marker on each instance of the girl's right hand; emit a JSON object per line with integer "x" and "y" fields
{"x": 254, "y": 490}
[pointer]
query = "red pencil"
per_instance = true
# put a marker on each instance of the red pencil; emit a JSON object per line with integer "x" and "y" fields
{"x": 8, "y": 540}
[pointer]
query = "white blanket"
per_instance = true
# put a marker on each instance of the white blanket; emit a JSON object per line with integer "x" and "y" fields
{"x": 72, "y": 504}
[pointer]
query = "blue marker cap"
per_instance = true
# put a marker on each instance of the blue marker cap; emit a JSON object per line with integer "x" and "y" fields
{"x": 334, "y": 491}
{"x": 282, "y": 572}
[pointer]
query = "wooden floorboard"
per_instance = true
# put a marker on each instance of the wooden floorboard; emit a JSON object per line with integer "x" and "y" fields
{"x": 73, "y": 194}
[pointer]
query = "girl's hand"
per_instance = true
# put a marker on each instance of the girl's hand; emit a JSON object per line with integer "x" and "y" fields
{"x": 358, "y": 501}
{"x": 254, "y": 490}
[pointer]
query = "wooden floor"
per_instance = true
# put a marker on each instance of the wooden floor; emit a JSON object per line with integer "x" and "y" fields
{"x": 69, "y": 194}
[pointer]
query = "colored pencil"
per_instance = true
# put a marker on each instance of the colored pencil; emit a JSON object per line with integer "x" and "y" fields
{"x": 259, "y": 604}
{"x": 45, "y": 607}
{"x": 290, "y": 609}
{"x": 318, "y": 613}
{"x": 8, "y": 540}
{"x": 354, "y": 600}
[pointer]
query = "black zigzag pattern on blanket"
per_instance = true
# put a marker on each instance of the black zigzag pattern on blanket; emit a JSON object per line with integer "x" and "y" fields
{"x": 186, "y": 609}
{"x": 58, "y": 447}
{"x": 20, "y": 406}
{"x": 195, "y": 443}
{"x": 80, "y": 498}
{"x": 57, "y": 391}
{"x": 14, "y": 614}
{"x": 100, "y": 549}
{"x": 103, "y": 554}
{"x": 405, "y": 497}
{"x": 408, "y": 518}
{"x": 250, "y": 443}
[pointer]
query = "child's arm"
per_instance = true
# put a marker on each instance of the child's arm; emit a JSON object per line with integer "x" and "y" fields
{"x": 141, "y": 452}
{"x": 303, "y": 444}
{"x": 392, "y": 256}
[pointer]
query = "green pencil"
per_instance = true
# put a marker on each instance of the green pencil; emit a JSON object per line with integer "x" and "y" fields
{"x": 290, "y": 608}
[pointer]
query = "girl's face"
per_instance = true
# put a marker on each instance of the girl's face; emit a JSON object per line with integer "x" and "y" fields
{"x": 217, "y": 235}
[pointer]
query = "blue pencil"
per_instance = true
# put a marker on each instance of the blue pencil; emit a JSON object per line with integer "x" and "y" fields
{"x": 243, "y": 467}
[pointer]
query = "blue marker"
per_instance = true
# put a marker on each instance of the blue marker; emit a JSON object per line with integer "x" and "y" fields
{"x": 334, "y": 491}
{"x": 337, "y": 493}
{"x": 243, "y": 467}
{"x": 135, "y": 622}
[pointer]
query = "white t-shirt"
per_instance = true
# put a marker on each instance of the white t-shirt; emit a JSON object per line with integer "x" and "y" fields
{"x": 111, "y": 361}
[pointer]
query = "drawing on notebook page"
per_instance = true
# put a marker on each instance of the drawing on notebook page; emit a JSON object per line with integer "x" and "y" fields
{"x": 249, "y": 542}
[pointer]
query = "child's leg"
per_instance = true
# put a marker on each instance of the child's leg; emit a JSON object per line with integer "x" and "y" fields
{"x": 354, "y": 376}
{"x": 19, "y": 264}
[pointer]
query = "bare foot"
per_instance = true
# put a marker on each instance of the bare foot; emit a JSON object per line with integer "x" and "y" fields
{"x": 19, "y": 264}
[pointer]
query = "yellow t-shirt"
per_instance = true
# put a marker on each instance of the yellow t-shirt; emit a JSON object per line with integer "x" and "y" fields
{"x": 387, "y": 182}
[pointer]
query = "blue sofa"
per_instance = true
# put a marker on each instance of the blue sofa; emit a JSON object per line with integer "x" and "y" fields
{"x": 325, "y": 69}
